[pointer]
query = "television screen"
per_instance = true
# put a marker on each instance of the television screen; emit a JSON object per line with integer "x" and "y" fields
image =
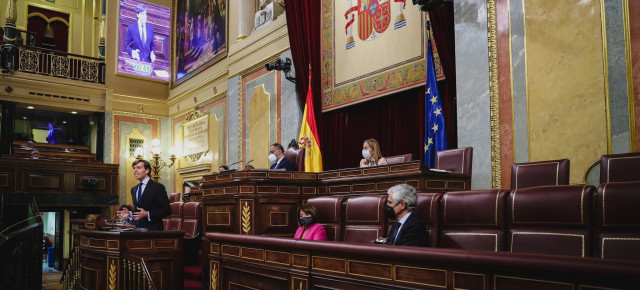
{"x": 144, "y": 40}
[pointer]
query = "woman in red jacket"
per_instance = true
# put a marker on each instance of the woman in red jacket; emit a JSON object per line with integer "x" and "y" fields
{"x": 309, "y": 228}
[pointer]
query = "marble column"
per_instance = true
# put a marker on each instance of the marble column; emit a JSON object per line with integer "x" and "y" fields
{"x": 245, "y": 19}
{"x": 472, "y": 71}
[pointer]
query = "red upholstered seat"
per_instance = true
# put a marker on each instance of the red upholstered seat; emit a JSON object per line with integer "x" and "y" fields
{"x": 174, "y": 197}
{"x": 331, "y": 212}
{"x": 191, "y": 222}
{"x": 174, "y": 221}
{"x": 295, "y": 156}
{"x": 364, "y": 218}
{"x": 474, "y": 220}
{"x": 428, "y": 210}
{"x": 399, "y": 158}
{"x": 552, "y": 172}
{"x": 620, "y": 167}
{"x": 551, "y": 220}
{"x": 455, "y": 160}
{"x": 618, "y": 221}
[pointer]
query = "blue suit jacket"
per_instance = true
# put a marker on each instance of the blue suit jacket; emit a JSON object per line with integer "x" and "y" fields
{"x": 134, "y": 42}
{"x": 412, "y": 233}
{"x": 284, "y": 163}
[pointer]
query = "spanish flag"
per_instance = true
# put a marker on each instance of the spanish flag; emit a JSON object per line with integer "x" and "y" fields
{"x": 309, "y": 136}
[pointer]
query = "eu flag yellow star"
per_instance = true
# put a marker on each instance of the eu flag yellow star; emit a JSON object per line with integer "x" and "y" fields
{"x": 433, "y": 100}
{"x": 435, "y": 128}
{"x": 438, "y": 111}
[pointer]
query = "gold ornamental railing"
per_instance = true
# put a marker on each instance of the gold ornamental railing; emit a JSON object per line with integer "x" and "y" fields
{"x": 71, "y": 275}
{"x": 42, "y": 61}
{"x": 136, "y": 274}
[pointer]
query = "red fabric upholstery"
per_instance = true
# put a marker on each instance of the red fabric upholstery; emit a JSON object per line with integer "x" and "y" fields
{"x": 399, "y": 158}
{"x": 474, "y": 220}
{"x": 552, "y": 172}
{"x": 295, "y": 156}
{"x": 428, "y": 210}
{"x": 174, "y": 221}
{"x": 551, "y": 220}
{"x": 174, "y": 197}
{"x": 191, "y": 223}
{"x": 620, "y": 167}
{"x": 364, "y": 218}
{"x": 331, "y": 212}
{"x": 455, "y": 160}
{"x": 618, "y": 221}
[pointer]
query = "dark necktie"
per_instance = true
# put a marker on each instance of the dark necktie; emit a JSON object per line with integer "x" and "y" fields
{"x": 139, "y": 193}
{"x": 393, "y": 233}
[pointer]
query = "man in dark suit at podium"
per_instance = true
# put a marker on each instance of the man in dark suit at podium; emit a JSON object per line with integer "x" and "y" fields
{"x": 150, "y": 199}
{"x": 276, "y": 156}
{"x": 139, "y": 41}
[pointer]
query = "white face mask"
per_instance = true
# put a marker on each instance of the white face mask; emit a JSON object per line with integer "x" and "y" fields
{"x": 366, "y": 154}
{"x": 272, "y": 158}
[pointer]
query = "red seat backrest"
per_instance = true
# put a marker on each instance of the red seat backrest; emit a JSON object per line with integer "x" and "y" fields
{"x": 331, "y": 212}
{"x": 474, "y": 220}
{"x": 617, "y": 222}
{"x": 399, "y": 158}
{"x": 620, "y": 167}
{"x": 364, "y": 218}
{"x": 542, "y": 173}
{"x": 191, "y": 222}
{"x": 174, "y": 221}
{"x": 295, "y": 156}
{"x": 552, "y": 220}
{"x": 455, "y": 160}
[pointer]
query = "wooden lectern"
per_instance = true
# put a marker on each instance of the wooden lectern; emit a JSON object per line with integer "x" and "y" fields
{"x": 130, "y": 259}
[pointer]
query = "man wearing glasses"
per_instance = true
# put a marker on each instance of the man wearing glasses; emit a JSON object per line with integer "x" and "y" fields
{"x": 276, "y": 156}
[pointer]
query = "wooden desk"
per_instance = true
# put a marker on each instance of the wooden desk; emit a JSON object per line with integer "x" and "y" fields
{"x": 103, "y": 255}
{"x": 264, "y": 202}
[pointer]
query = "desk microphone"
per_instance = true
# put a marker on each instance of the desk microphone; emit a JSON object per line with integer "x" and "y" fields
{"x": 234, "y": 163}
{"x": 114, "y": 212}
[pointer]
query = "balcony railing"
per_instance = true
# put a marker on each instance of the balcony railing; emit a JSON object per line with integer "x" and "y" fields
{"x": 42, "y": 61}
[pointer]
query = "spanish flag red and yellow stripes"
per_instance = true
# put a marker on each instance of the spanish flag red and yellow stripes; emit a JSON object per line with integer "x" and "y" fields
{"x": 309, "y": 136}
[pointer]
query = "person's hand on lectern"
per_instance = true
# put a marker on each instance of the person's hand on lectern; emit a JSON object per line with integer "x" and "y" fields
{"x": 141, "y": 214}
{"x": 124, "y": 213}
{"x": 135, "y": 54}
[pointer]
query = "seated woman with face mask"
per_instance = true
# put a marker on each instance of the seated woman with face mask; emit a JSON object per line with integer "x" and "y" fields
{"x": 309, "y": 228}
{"x": 371, "y": 154}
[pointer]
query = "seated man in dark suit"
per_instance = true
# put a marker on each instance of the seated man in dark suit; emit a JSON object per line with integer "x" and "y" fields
{"x": 408, "y": 230}
{"x": 276, "y": 156}
{"x": 150, "y": 199}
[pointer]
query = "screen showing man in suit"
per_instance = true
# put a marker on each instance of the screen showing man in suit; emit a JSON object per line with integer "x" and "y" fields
{"x": 144, "y": 39}
{"x": 408, "y": 230}
{"x": 150, "y": 200}
{"x": 140, "y": 37}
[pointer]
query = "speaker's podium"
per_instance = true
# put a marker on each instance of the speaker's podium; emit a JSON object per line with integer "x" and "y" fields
{"x": 122, "y": 257}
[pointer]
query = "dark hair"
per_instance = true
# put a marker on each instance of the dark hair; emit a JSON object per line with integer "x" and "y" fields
{"x": 278, "y": 146}
{"x": 294, "y": 144}
{"x": 225, "y": 167}
{"x": 310, "y": 210}
{"x": 141, "y": 7}
{"x": 147, "y": 165}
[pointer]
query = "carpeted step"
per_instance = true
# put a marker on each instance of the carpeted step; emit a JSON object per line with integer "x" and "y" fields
{"x": 192, "y": 272}
{"x": 192, "y": 284}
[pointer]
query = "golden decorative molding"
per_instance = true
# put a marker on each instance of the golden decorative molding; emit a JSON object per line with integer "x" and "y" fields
{"x": 195, "y": 106}
{"x": 246, "y": 218}
{"x": 240, "y": 119}
{"x": 630, "y": 89}
{"x": 214, "y": 276}
{"x": 103, "y": 25}
{"x": 135, "y": 115}
{"x": 112, "y": 275}
{"x": 12, "y": 11}
{"x": 496, "y": 156}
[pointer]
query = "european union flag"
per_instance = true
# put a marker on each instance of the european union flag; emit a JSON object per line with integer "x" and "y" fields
{"x": 435, "y": 138}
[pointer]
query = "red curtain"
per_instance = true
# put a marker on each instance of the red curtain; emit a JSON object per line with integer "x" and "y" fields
{"x": 443, "y": 34}
{"x": 38, "y": 25}
{"x": 396, "y": 121}
{"x": 303, "y": 25}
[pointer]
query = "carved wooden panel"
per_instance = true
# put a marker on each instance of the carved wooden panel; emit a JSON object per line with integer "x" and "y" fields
{"x": 277, "y": 216}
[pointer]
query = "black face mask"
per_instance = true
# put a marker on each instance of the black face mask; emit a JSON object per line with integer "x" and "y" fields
{"x": 388, "y": 211}
{"x": 306, "y": 221}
